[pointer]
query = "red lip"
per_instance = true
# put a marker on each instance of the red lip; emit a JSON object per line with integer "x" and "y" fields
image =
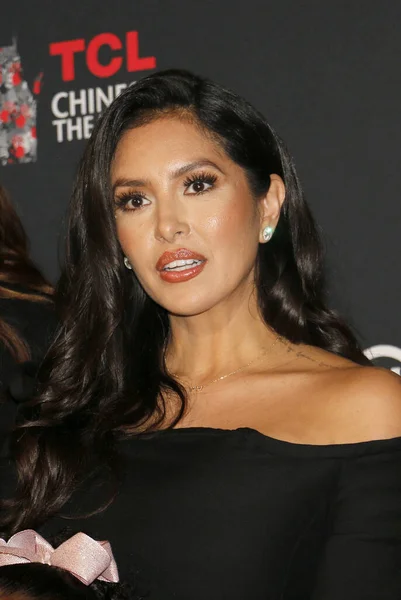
{"x": 179, "y": 276}
{"x": 180, "y": 254}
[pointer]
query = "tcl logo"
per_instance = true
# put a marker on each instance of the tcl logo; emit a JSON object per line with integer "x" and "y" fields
{"x": 126, "y": 51}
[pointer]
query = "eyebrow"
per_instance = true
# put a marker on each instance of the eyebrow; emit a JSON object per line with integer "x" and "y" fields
{"x": 124, "y": 182}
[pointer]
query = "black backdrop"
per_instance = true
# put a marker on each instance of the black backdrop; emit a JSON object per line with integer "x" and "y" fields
{"x": 326, "y": 74}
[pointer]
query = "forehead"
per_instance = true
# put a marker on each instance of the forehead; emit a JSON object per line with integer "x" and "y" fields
{"x": 164, "y": 142}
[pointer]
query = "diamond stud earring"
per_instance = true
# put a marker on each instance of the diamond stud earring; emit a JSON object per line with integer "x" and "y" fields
{"x": 127, "y": 263}
{"x": 267, "y": 233}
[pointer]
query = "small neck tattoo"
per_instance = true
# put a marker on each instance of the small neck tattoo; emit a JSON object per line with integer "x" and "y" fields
{"x": 290, "y": 349}
{"x": 260, "y": 356}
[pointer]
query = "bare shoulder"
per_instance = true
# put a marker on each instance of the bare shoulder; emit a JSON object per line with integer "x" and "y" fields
{"x": 353, "y": 403}
{"x": 365, "y": 403}
{"x": 375, "y": 393}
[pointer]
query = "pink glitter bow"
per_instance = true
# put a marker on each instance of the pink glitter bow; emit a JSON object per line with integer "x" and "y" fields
{"x": 82, "y": 556}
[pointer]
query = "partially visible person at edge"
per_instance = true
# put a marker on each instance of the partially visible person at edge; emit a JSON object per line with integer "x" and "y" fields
{"x": 202, "y": 407}
{"x": 73, "y": 568}
{"x": 26, "y": 309}
{"x": 37, "y": 581}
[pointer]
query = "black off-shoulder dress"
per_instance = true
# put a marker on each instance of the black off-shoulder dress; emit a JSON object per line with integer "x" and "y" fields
{"x": 210, "y": 514}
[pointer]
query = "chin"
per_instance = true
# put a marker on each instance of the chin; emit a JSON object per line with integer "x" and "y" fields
{"x": 187, "y": 312}
{"x": 186, "y": 306}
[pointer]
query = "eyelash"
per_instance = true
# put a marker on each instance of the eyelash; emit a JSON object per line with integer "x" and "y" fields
{"x": 125, "y": 197}
{"x": 208, "y": 178}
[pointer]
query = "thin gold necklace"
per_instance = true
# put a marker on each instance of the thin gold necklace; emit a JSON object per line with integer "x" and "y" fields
{"x": 199, "y": 388}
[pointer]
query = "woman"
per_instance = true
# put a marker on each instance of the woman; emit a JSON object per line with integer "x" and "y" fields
{"x": 202, "y": 407}
{"x": 26, "y": 311}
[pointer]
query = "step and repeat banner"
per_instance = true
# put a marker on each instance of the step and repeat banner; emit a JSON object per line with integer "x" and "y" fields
{"x": 326, "y": 74}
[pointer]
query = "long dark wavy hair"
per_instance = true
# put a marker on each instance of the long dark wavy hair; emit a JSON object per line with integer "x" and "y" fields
{"x": 106, "y": 374}
{"x": 19, "y": 276}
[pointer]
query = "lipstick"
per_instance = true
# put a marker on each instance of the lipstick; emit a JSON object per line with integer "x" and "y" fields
{"x": 180, "y": 265}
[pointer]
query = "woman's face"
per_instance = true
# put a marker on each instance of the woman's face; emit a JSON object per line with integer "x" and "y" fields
{"x": 186, "y": 219}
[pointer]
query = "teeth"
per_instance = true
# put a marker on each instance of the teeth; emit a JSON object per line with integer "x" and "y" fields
{"x": 181, "y": 265}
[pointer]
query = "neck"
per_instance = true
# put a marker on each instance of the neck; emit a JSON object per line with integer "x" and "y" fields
{"x": 224, "y": 338}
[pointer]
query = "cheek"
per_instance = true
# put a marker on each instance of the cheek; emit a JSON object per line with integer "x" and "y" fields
{"x": 136, "y": 243}
{"x": 124, "y": 236}
{"x": 131, "y": 238}
{"x": 236, "y": 227}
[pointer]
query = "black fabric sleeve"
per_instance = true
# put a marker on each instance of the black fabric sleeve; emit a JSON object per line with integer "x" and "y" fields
{"x": 362, "y": 556}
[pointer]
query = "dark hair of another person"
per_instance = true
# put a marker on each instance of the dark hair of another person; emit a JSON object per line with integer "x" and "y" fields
{"x": 19, "y": 277}
{"x": 106, "y": 372}
{"x": 33, "y": 581}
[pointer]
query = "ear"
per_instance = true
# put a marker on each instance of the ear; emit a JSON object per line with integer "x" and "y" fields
{"x": 270, "y": 205}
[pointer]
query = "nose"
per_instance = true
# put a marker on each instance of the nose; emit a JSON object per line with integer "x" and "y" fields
{"x": 171, "y": 221}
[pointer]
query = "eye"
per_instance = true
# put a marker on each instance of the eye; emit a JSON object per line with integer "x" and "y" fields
{"x": 199, "y": 183}
{"x": 131, "y": 201}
